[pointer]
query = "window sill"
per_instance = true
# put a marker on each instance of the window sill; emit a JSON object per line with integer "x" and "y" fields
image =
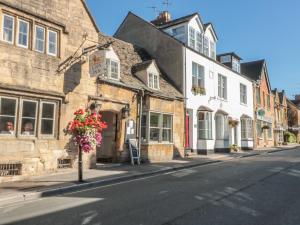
{"x": 158, "y": 143}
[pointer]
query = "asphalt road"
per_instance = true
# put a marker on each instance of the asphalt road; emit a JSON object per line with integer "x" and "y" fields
{"x": 260, "y": 190}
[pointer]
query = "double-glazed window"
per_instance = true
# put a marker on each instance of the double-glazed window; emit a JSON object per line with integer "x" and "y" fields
{"x": 17, "y": 30}
{"x": 113, "y": 69}
{"x": 192, "y": 40}
{"x": 206, "y": 46}
{"x": 34, "y": 117}
{"x": 179, "y": 33}
{"x": 197, "y": 75}
{"x": 153, "y": 81}
{"x": 204, "y": 125}
{"x": 157, "y": 127}
{"x": 23, "y": 33}
{"x": 222, "y": 127}
{"x": 246, "y": 128}
{"x": 243, "y": 94}
{"x": 222, "y": 87}
{"x": 8, "y": 28}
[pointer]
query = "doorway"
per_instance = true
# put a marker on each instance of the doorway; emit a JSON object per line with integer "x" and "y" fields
{"x": 106, "y": 153}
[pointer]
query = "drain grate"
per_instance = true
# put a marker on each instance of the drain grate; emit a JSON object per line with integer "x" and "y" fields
{"x": 10, "y": 169}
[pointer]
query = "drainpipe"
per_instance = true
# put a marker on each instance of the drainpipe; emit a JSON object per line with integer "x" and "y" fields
{"x": 140, "y": 113}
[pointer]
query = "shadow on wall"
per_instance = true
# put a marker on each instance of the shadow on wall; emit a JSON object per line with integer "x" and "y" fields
{"x": 177, "y": 154}
{"x": 72, "y": 77}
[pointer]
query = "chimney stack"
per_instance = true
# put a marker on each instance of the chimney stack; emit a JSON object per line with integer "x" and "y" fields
{"x": 162, "y": 18}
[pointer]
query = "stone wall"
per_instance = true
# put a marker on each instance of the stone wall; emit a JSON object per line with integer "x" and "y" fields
{"x": 27, "y": 73}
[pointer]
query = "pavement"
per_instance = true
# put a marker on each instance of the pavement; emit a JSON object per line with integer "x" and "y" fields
{"x": 65, "y": 181}
{"x": 261, "y": 190}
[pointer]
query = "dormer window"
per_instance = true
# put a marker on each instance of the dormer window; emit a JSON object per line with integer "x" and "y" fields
{"x": 206, "y": 46}
{"x": 179, "y": 33}
{"x": 225, "y": 59}
{"x": 236, "y": 66}
{"x": 153, "y": 81}
{"x": 212, "y": 50}
{"x": 113, "y": 69}
{"x": 192, "y": 40}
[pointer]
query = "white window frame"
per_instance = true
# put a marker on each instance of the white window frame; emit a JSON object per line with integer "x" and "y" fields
{"x": 13, "y": 29}
{"x": 151, "y": 82}
{"x": 223, "y": 129}
{"x": 179, "y": 36}
{"x": 192, "y": 37}
{"x": 41, "y": 118}
{"x": 225, "y": 59}
{"x": 212, "y": 52}
{"x": 222, "y": 87}
{"x": 16, "y": 115}
{"x": 108, "y": 69}
{"x": 199, "y": 42}
{"x": 48, "y": 43}
{"x": 198, "y": 76}
{"x": 206, "y": 46}
{"x": 246, "y": 128}
{"x": 18, "y": 33}
{"x": 35, "y": 39}
{"x": 207, "y": 120}
{"x": 21, "y": 118}
{"x": 236, "y": 66}
{"x": 243, "y": 94}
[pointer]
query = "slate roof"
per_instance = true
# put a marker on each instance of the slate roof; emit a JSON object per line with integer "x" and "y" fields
{"x": 133, "y": 57}
{"x": 142, "y": 66}
{"x": 177, "y": 21}
{"x": 253, "y": 70}
{"x": 230, "y": 53}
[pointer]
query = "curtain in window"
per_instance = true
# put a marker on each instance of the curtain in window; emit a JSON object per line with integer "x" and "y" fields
{"x": 222, "y": 129}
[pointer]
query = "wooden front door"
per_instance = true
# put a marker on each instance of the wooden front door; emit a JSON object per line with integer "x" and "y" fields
{"x": 107, "y": 151}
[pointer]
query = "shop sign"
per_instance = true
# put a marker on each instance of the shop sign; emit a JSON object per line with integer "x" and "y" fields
{"x": 97, "y": 63}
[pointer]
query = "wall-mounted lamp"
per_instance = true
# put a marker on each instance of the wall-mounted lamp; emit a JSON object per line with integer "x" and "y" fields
{"x": 126, "y": 112}
{"x": 95, "y": 107}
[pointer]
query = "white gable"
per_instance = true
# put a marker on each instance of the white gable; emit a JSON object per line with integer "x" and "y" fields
{"x": 111, "y": 54}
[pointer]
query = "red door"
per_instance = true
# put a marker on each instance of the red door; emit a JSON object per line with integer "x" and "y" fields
{"x": 187, "y": 129}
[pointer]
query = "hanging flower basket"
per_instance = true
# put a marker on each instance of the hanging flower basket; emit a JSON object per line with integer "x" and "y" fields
{"x": 233, "y": 123}
{"x": 198, "y": 90}
{"x": 266, "y": 127}
{"x": 86, "y": 129}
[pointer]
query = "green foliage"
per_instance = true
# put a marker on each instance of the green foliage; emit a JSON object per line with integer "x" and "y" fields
{"x": 290, "y": 137}
{"x": 198, "y": 90}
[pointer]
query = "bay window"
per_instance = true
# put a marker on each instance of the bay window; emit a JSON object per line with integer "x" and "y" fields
{"x": 204, "y": 125}
{"x": 23, "y": 33}
{"x": 52, "y": 43}
{"x": 35, "y": 117}
{"x": 29, "y": 116}
{"x": 157, "y": 127}
{"x": 8, "y": 110}
{"x": 197, "y": 75}
{"x": 8, "y": 29}
{"x": 222, "y": 127}
{"x": 246, "y": 128}
{"x": 40, "y": 39}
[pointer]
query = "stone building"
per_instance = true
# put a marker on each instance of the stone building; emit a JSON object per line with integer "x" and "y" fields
{"x": 156, "y": 111}
{"x": 294, "y": 116}
{"x": 46, "y": 77}
{"x": 263, "y": 103}
{"x": 37, "y": 96}
{"x": 280, "y": 116}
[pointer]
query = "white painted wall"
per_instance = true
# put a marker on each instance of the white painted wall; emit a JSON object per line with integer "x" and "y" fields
{"x": 232, "y": 105}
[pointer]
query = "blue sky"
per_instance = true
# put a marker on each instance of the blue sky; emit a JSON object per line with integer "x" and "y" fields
{"x": 254, "y": 29}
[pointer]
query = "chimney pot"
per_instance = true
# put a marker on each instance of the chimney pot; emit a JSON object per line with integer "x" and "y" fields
{"x": 162, "y": 18}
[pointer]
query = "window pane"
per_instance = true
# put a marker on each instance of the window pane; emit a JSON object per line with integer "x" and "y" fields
{"x": 39, "y": 39}
{"x": 206, "y": 46}
{"x": 151, "y": 80}
{"x": 28, "y": 117}
{"x": 154, "y": 134}
{"x": 167, "y": 121}
{"x": 23, "y": 33}
{"x": 47, "y": 127}
{"x": 7, "y": 115}
{"x": 192, "y": 37}
{"x": 8, "y": 28}
{"x": 154, "y": 120}
{"x": 167, "y": 135}
{"x": 48, "y": 111}
{"x": 114, "y": 70}
{"x": 52, "y": 45}
{"x": 155, "y": 81}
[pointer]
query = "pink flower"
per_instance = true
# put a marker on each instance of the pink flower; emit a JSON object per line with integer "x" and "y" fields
{"x": 86, "y": 148}
{"x": 98, "y": 138}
